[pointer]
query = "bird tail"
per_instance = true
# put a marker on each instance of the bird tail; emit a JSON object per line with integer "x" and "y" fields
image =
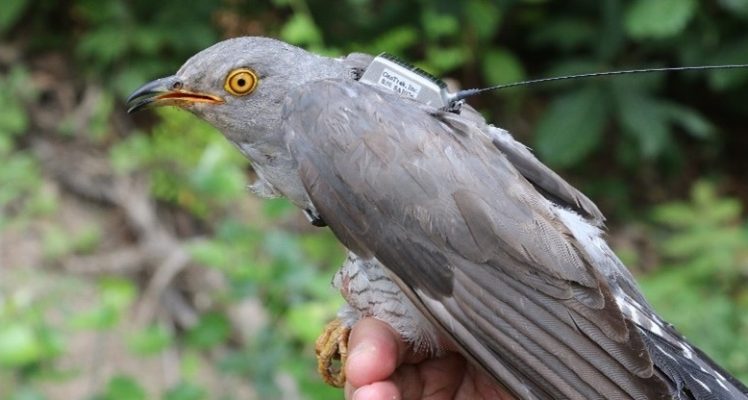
{"x": 691, "y": 373}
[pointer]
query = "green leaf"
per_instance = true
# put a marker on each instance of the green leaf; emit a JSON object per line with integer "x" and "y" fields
{"x": 395, "y": 40}
{"x": 735, "y": 6}
{"x": 572, "y": 127}
{"x": 146, "y": 40}
{"x": 55, "y": 242}
{"x": 675, "y": 214}
{"x": 27, "y": 393}
{"x": 117, "y": 292}
{"x": 483, "y": 17}
{"x": 12, "y": 9}
{"x": 216, "y": 176}
{"x": 301, "y": 30}
{"x": 642, "y": 118}
{"x": 566, "y": 33}
{"x": 150, "y": 341}
{"x": 658, "y": 19}
{"x": 691, "y": 120}
{"x": 192, "y": 363}
{"x": 710, "y": 208}
{"x": 185, "y": 391}
{"x": 19, "y": 345}
{"x": 438, "y": 25}
{"x": 98, "y": 124}
{"x": 707, "y": 246}
{"x": 276, "y": 208}
{"x": 103, "y": 46}
{"x": 101, "y": 317}
{"x": 501, "y": 66}
{"x": 131, "y": 153}
{"x": 443, "y": 59}
{"x": 307, "y": 320}
{"x": 729, "y": 53}
{"x": 212, "y": 329}
{"x": 13, "y": 119}
{"x": 123, "y": 387}
{"x": 14, "y": 87}
{"x": 211, "y": 253}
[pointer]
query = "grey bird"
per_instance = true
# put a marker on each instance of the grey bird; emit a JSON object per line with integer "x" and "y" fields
{"x": 455, "y": 230}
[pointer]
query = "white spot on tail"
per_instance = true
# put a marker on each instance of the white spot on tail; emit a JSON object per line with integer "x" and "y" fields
{"x": 668, "y": 355}
{"x": 721, "y": 381}
{"x": 704, "y": 385}
{"x": 687, "y": 352}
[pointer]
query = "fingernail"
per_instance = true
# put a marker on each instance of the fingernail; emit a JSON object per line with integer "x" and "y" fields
{"x": 362, "y": 393}
{"x": 368, "y": 393}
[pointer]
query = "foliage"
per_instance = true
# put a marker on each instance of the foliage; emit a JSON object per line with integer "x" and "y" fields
{"x": 192, "y": 167}
{"x": 20, "y": 177}
{"x": 188, "y": 163}
{"x": 706, "y": 273}
{"x": 629, "y": 140}
{"x": 29, "y": 341}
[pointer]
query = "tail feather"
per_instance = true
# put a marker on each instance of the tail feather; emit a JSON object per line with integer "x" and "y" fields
{"x": 691, "y": 373}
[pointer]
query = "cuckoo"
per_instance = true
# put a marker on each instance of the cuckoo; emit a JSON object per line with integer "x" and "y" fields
{"x": 456, "y": 233}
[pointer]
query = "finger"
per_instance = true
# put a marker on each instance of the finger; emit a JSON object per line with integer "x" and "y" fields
{"x": 432, "y": 379}
{"x": 378, "y": 391}
{"x": 441, "y": 377}
{"x": 348, "y": 390}
{"x": 374, "y": 352}
{"x": 437, "y": 378}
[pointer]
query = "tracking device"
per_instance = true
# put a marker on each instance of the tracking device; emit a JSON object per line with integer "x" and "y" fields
{"x": 390, "y": 73}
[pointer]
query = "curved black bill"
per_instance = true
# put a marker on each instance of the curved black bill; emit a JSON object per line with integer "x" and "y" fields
{"x": 165, "y": 91}
{"x": 149, "y": 93}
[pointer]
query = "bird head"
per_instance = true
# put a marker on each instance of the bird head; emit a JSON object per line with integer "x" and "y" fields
{"x": 238, "y": 85}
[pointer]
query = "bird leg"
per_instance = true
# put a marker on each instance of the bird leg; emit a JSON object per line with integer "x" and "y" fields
{"x": 332, "y": 351}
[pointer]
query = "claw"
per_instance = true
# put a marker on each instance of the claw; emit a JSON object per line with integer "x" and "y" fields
{"x": 332, "y": 346}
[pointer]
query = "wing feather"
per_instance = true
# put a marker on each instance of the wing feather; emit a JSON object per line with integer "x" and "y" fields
{"x": 546, "y": 180}
{"x": 469, "y": 238}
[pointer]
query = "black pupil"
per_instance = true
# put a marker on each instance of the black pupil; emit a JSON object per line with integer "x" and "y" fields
{"x": 241, "y": 82}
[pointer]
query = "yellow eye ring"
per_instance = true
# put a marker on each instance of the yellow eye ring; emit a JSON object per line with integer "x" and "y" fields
{"x": 240, "y": 82}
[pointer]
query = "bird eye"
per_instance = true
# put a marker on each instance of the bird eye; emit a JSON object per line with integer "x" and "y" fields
{"x": 240, "y": 82}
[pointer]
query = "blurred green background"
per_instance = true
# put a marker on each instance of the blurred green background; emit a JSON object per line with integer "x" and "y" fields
{"x": 134, "y": 265}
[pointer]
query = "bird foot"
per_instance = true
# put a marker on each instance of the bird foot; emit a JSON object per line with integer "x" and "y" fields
{"x": 332, "y": 351}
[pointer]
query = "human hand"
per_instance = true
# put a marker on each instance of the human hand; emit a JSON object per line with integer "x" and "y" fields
{"x": 381, "y": 366}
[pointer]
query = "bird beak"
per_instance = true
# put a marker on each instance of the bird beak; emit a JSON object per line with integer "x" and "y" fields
{"x": 166, "y": 92}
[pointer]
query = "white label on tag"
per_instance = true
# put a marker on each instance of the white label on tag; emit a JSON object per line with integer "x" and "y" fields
{"x": 398, "y": 84}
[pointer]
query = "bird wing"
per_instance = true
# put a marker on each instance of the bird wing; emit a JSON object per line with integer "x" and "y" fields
{"x": 548, "y": 182}
{"x": 473, "y": 242}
